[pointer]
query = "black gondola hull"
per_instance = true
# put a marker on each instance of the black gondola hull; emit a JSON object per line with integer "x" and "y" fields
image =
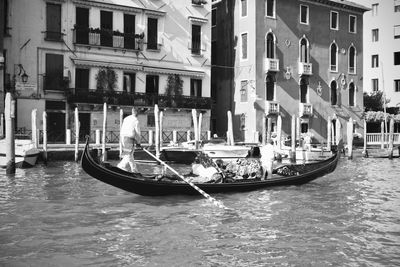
{"x": 149, "y": 186}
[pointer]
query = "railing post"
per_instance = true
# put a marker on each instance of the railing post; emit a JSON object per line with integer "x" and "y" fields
{"x": 98, "y": 137}
{"x": 68, "y": 137}
{"x": 365, "y": 152}
{"x": 150, "y": 137}
{"x": 382, "y": 135}
{"x": 174, "y": 137}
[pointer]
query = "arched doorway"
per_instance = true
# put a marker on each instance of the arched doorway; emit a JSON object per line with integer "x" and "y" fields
{"x": 270, "y": 87}
{"x": 303, "y": 90}
{"x": 333, "y": 93}
{"x": 351, "y": 94}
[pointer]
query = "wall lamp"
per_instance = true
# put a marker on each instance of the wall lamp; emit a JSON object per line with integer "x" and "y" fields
{"x": 22, "y": 73}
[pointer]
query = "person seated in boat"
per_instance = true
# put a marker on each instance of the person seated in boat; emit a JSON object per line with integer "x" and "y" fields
{"x": 267, "y": 158}
{"x": 129, "y": 138}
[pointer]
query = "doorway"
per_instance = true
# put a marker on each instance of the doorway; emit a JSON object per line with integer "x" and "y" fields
{"x": 56, "y": 127}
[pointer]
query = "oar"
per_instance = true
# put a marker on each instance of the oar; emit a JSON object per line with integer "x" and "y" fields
{"x": 213, "y": 200}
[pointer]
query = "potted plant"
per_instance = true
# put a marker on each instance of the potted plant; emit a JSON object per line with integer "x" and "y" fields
{"x": 174, "y": 89}
{"x": 118, "y": 39}
{"x": 94, "y": 36}
{"x": 106, "y": 79}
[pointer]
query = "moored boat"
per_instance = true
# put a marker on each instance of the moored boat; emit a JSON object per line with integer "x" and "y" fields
{"x": 26, "y": 154}
{"x": 155, "y": 185}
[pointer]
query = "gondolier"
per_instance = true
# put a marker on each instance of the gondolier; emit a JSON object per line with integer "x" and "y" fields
{"x": 129, "y": 137}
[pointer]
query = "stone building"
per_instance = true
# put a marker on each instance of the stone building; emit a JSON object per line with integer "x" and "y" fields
{"x": 62, "y": 54}
{"x": 298, "y": 58}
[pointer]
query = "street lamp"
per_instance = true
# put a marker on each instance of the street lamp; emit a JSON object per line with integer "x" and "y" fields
{"x": 22, "y": 73}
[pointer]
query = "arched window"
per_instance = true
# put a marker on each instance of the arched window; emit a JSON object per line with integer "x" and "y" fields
{"x": 352, "y": 92}
{"x": 270, "y": 46}
{"x": 303, "y": 50}
{"x": 270, "y": 87}
{"x": 333, "y": 93}
{"x": 352, "y": 59}
{"x": 333, "y": 56}
{"x": 303, "y": 90}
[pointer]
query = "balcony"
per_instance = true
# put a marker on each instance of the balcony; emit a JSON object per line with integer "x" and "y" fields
{"x": 271, "y": 107}
{"x": 54, "y": 83}
{"x": 305, "y": 110}
{"x": 119, "y": 98}
{"x": 271, "y": 64}
{"x": 108, "y": 38}
{"x": 305, "y": 68}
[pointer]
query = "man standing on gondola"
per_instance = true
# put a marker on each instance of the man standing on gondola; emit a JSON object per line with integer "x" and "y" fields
{"x": 267, "y": 158}
{"x": 129, "y": 138}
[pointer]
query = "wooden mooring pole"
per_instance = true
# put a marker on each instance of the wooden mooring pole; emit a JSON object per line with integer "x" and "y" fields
{"x": 329, "y": 134}
{"x": 103, "y": 148}
{"x": 44, "y": 154}
{"x": 121, "y": 119}
{"x": 34, "y": 128}
{"x": 293, "y": 139}
{"x": 391, "y": 130}
{"x": 10, "y": 141}
{"x": 350, "y": 138}
{"x": 77, "y": 125}
{"x": 157, "y": 130}
{"x": 365, "y": 151}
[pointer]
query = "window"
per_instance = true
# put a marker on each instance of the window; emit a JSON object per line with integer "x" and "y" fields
{"x": 351, "y": 94}
{"x": 244, "y": 45}
{"x": 304, "y": 53}
{"x": 54, "y": 72}
{"x": 396, "y": 32}
{"x": 333, "y": 57}
{"x": 195, "y": 87}
{"x": 375, "y": 35}
{"x": 333, "y": 93}
{"x": 214, "y": 17}
{"x": 303, "y": 14}
{"x": 397, "y": 85}
{"x": 374, "y": 10}
{"x": 352, "y": 59}
{"x": 334, "y": 20}
{"x": 304, "y": 127}
{"x": 82, "y": 25}
{"x": 53, "y": 22}
{"x": 129, "y": 31}
{"x": 375, "y": 61}
{"x": 106, "y": 25}
{"x": 152, "y": 89}
{"x": 243, "y": 91}
{"x": 396, "y": 58}
{"x": 352, "y": 24}
{"x": 303, "y": 90}
{"x": 396, "y": 6}
{"x": 129, "y": 83}
{"x": 196, "y": 39}
{"x": 243, "y": 8}
{"x": 151, "y": 121}
{"x": 5, "y": 21}
{"x": 270, "y": 8}
{"x": 152, "y": 33}
{"x": 270, "y": 46}
{"x": 375, "y": 85}
{"x": 81, "y": 79}
{"x": 270, "y": 88}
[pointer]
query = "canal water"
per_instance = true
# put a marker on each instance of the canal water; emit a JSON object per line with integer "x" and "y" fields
{"x": 56, "y": 215}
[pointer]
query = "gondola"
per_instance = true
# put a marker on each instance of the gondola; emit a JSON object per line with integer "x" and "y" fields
{"x": 152, "y": 185}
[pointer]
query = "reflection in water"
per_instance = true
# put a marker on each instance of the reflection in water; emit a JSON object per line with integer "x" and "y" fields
{"x": 58, "y": 215}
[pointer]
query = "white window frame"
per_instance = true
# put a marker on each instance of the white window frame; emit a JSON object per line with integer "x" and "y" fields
{"x": 396, "y": 27}
{"x": 273, "y": 44}
{"x": 247, "y": 9}
{"x": 307, "y": 59}
{"x": 372, "y": 84}
{"x": 374, "y": 9}
{"x": 355, "y": 60}
{"x": 241, "y": 46}
{"x": 396, "y": 81}
{"x": 355, "y": 94}
{"x": 355, "y": 24}
{"x": 375, "y": 38}
{"x": 337, "y": 57}
{"x": 337, "y": 20}
{"x": 307, "y": 16}
{"x": 273, "y": 10}
{"x": 247, "y": 90}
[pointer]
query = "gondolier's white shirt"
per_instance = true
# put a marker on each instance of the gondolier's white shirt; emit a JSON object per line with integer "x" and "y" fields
{"x": 131, "y": 128}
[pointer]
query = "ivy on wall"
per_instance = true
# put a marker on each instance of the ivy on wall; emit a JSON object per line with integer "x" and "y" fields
{"x": 106, "y": 79}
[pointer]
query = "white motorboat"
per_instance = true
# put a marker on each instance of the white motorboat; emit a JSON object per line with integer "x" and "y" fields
{"x": 26, "y": 154}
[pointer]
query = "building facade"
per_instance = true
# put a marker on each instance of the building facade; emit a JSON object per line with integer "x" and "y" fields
{"x": 298, "y": 59}
{"x": 382, "y": 49}
{"x": 63, "y": 54}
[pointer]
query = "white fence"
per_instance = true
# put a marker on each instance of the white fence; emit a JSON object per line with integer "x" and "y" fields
{"x": 376, "y": 138}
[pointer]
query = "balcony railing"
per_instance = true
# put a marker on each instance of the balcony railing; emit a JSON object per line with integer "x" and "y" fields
{"x": 305, "y": 109}
{"x": 305, "y": 68}
{"x": 108, "y": 38}
{"x": 271, "y": 107}
{"x": 90, "y": 96}
{"x": 271, "y": 64}
{"x": 54, "y": 83}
